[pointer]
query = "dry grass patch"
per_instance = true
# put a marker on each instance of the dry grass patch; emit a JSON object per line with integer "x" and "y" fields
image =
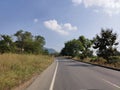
{"x": 16, "y": 69}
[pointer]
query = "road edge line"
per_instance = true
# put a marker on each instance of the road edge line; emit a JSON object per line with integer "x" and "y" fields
{"x": 107, "y": 67}
{"x": 111, "y": 83}
{"x": 54, "y": 76}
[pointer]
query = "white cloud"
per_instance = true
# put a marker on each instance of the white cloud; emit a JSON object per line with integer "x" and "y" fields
{"x": 77, "y": 2}
{"x": 35, "y": 20}
{"x": 108, "y": 6}
{"x": 62, "y": 29}
{"x": 68, "y": 26}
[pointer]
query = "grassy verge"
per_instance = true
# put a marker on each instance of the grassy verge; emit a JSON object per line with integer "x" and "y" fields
{"x": 16, "y": 69}
{"x": 114, "y": 63}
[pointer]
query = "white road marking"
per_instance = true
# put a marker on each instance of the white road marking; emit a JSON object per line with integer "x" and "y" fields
{"x": 111, "y": 83}
{"x": 54, "y": 76}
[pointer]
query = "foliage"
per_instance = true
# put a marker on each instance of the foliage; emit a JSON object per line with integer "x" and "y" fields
{"x": 86, "y": 44}
{"x": 25, "y": 42}
{"x": 99, "y": 60}
{"x": 6, "y": 44}
{"x": 114, "y": 59}
{"x": 72, "y": 48}
{"x": 105, "y": 43}
{"x": 23, "y": 38}
{"x": 79, "y": 47}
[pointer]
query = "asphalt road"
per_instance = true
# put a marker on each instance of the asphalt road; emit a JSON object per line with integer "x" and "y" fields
{"x": 67, "y": 74}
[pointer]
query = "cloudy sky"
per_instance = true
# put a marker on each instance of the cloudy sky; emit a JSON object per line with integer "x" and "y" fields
{"x": 59, "y": 20}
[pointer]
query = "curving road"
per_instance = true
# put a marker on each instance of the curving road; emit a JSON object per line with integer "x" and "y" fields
{"x": 67, "y": 74}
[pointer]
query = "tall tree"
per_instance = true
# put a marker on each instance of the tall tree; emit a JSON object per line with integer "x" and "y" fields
{"x": 105, "y": 43}
{"x": 72, "y": 48}
{"x": 19, "y": 42}
{"x": 6, "y": 44}
{"x": 28, "y": 43}
{"x": 40, "y": 42}
{"x": 86, "y": 44}
{"x": 23, "y": 38}
{"x": 79, "y": 47}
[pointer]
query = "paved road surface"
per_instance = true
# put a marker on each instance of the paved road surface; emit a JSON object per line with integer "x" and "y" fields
{"x": 67, "y": 74}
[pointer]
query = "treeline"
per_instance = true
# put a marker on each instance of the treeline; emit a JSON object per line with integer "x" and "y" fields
{"x": 104, "y": 44}
{"x": 22, "y": 42}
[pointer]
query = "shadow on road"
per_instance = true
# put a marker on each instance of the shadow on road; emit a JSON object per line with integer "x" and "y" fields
{"x": 80, "y": 65}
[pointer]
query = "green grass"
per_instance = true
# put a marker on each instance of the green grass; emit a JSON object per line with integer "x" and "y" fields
{"x": 16, "y": 69}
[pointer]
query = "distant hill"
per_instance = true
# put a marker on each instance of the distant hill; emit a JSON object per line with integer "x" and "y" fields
{"x": 51, "y": 51}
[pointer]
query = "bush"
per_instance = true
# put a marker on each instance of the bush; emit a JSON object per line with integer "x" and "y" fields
{"x": 114, "y": 59}
{"x": 99, "y": 60}
{"x": 87, "y": 59}
{"x": 93, "y": 59}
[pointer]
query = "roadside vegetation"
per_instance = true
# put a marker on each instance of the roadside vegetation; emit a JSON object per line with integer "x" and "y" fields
{"x": 22, "y": 56}
{"x": 15, "y": 69}
{"x": 22, "y": 42}
{"x": 105, "y": 44}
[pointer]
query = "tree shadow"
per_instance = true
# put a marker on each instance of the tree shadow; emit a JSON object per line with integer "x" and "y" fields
{"x": 81, "y": 65}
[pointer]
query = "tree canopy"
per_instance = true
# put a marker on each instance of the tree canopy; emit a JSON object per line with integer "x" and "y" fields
{"x": 86, "y": 44}
{"x": 105, "y": 43}
{"x": 77, "y": 47}
{"x": 71, "y": 48}
{"x": 6, "y": 44}
{"x": 25, "y": 42}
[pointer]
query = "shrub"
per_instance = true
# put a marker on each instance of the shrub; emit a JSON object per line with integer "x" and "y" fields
{"x": 99, "y": 60}
{"x": 114, "y": 59}
{"x": 93, "y": 59}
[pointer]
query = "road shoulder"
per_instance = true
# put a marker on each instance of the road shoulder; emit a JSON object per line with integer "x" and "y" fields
{"x": 43, "y": 81}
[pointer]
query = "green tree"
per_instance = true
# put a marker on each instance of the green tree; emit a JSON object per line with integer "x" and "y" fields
{"x": 20, "y": 40}
{"x": 39, "y": 43}
{"x": 6, "y": 44}
{"x": 105, "y": 43}
{"x": 72, "y": 48}
{"x": 28, "y": 43}
{"x": 86, "y": 44}
{"x": 23, "y": 40}
{"x": 79, "y": 47}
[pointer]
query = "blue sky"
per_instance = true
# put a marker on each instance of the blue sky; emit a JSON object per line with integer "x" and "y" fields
{"x": 59, "y": 20}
